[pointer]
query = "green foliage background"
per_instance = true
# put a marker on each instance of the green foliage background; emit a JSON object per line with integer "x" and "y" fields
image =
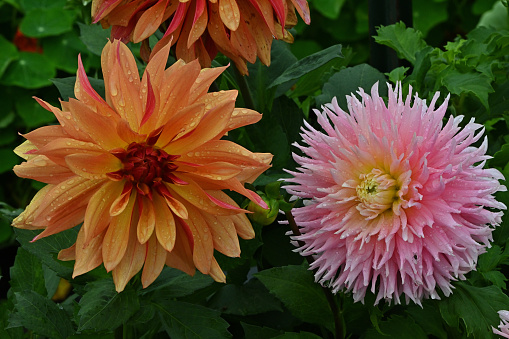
{"x": 457, "y": 46}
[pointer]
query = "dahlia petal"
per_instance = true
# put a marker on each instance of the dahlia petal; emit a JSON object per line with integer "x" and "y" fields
{"x": 164, "y": 223}
{"x": 147, "y": 221}
{"x": 67, "y": 254}
{"x": 199, "y": 24}
{"x": 97, "y": 216}
{"x": 149, "y": 21}
{"x": 26, "y": 150}
{"x": 229, "y": 13}
{"x": 216, "y": 272}
{"x": 93, "y": 166}
{"x": 101, "y": 8}
{"x": 44, "y": 135}
{"x": 243, "y": 226}
{"x": 120, "y": 203}
{"x": 206, "y": 77}
{"x": 87, "y": 253}
{"x": 131, "y": 262}
{"x": 302, "y": 7}
{"x": 85, "y": 93}
{"x": 196, "y": 196}
{"x": 116, "y": 238}
{"x": 154, "y": 262}
{"x": 42, "y": 169}
{"x": 203, "y": 250}
{"x": 243, "y": 41}
{"x": 242, "y": 117}
{"x": 218, "y": 170}
{"x": 224, "y": 234}
{"x": 178, "y": 18}
{"x": 211, "y": 125}
{"x": 181, "y": 257}
{"x": 26, "y": 218}
{"x": 279, "y": 8}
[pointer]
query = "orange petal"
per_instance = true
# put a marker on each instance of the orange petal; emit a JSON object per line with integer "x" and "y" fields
{"x": 164, "y": 223}
{"x": 229, "y": 13}
{"x": 176, "y": 206}
{"x": 67, "y": 254}
{"x": 26, "y": 150}
{"x": 25, "y": 219}
{"x": 147, "y": 221}
{"x": 196, "y": 196}
{"x": 97, "y": 215}
{"x": 242, "y": 117}
{"x": 154, "y": 262}
{"x": 203, "y": 82}
{"x": 93, "y": 166}
{"x": 117, "y": 236}
{"x": 244, "y": 42}
{"x": 224, "y": 234}
{"x": 88, "y": 256}
{"x": 65, "y": 199}
{"x": 219, "y": 170}
{"x": 216, "y": 272}
{"x": 43, "y": 135}
{"x": 181, "y": 257}
{"x": 149, "y": 21}
{"x": 243, "y": 226}
{"x": 181, "y": 123}
{"x": 203, "y": 251}
{"x": 198, "y": 26}
{"x": 101, "y": 129}
{"x": 121, "y": 202}
{"x": 58, "y": 149}
{"x": 131, "y": 263}
{"x": 211, "y": 125}
{"x": 42, "y": 169}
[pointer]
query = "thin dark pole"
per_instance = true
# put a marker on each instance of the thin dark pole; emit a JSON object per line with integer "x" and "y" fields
{"x": 386, "y": 12}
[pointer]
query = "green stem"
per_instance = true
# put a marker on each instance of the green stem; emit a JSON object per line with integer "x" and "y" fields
{"x": 336, "y": 311}
{"x": 244, "y": 89}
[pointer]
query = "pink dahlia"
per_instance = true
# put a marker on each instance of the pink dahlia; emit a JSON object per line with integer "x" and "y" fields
{"x": 398, "y": 201}
{"x": 504, "y": 324}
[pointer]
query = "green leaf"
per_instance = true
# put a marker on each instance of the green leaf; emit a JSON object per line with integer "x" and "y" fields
{"x": 501, "y": 157}
{"x": 397, "y": 327}
{"x": 9, "y": 54}
{"x": 9, "y": 159}
{"x": 476, "y": 84}
{"x": 295, "y": 287}
{"x": 6, "y": 308}
{"x": 428, "y": 318}
{"x": 32, "y": 113}
{"x": 63, "y": 51}
{"x": 41, "y": 315}
{"x": 348, "y": 81}
{"x": 308, "y": 64}
{"x": 190, "y": 321}
{"x": 100, "y": 306}
{"x": 29, "y": 5}
{"x": 94, "y": 37}
{"x": 257, "y": 332}
{"x": 31, "y": 70}
{"x": 174, "y": 283}
{"x": 398, "y": 74}
{"x": 299, "y": 335}
{"x": 476, "y": 307}
{"x": 329, "y": 8}
{"x": 47, "y": 248}
{"x": 27, "y": 273}
{"x": 428, "y": 14}
{"x": 405, "y": 41}
{"x": 66, "y": 86}
{"x": 248, "y": 299}
{"x": 42, "y": 22}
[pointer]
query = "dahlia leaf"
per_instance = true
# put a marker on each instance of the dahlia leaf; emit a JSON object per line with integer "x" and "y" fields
{"x": 47, "y": 248}
{"x": 458, "y": 83}
{"x": 27, "y": 273}
{"x": 297, "y": 335}
{"x": 100, "y": 305}
{"x": 66, "y": 86}
{"x": 173, "y": 283}
{"x": 477, "y": 307}
{"x": 40, "y": 315}
{"x": 31, "y": 70}
{"x": 256, "y": 332}
{"x": 63, "y": 50}
{"x": 28, "y": 5}
{"x": 500, "y": 159}
{"x": 308, "y": 64}
{"x": 189, "y": 321}
{"x": 12, "y": 332}
{"x": 94, "y": 37}
{"x": 329, "y": 8}
{"x": 43, "y": 22}
{"x": 9, "y": 53}
{"x": 397, "y": 327}
{"x": 277, "y": 249}
{"x": 428, "y": 318}
{"x": 32, "y": 113}
{"x": 295, "y": 287}
{"x": 405, "y": 41}
{"x": 348, "y": 81}
{"x": 248, "y": 299}
{"x": 428, "y": 14}
{"x": 9, "y": 159}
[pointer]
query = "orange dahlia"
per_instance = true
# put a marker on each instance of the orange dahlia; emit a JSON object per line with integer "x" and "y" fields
{"x": 143, "y": 170}
{"x": 240, "y": 29}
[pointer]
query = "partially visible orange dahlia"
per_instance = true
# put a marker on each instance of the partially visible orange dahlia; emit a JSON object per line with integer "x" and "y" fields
{"x": 143, "y": 170}
{"x": 240, "y": 29}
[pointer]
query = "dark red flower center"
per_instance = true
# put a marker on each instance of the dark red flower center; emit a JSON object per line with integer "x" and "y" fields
{"x": 145, "y": 166}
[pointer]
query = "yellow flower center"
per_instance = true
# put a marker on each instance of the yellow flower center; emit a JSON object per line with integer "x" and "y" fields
{"x": 376, "y": 193}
